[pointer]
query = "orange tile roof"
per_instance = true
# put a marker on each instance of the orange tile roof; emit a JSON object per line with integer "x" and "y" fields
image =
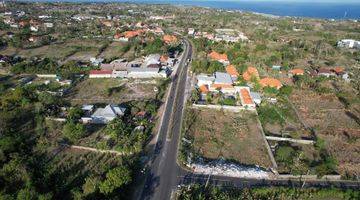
{"x": 218, "y": 56}
{"x": 270, "y": 82}
{"x": 338, "y": 70}
{"x": 204, "y": 89}
{"x": 164, "y": 58}
{"x": 222, "y": 86}
{"x": 169, "y": 39}
{"x": 297, "y": 71}
{"x": 117, "y": 36}
{"x": 131, "y": 34}
{"x": 250, "y": 71}
{"x": 230, "y": 69}
{"x": 246, "y": 96}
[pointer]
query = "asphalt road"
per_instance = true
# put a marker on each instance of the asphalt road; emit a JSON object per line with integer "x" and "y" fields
{"x": 163, "y": 174}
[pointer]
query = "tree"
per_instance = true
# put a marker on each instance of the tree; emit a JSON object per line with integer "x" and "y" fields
{"x": 117, "y": 128}
{"x": 73, "y": 131}
{"x": 75, "y": 114}
{"x": 115, "y": 179}
{"x": 91, "y": 185}
{"x": 286, "y": 90}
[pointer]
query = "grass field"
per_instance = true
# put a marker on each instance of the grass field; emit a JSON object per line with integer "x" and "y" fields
{"x": 334, "y": 124}
{"x": 111, "y": 91}
{"x": 114, "y": 50}
{"x": 233, "y": 136}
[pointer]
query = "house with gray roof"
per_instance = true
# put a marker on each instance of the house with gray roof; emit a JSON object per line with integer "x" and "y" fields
{"x": 223, "y": 78}
{"x": 107, "y": 114}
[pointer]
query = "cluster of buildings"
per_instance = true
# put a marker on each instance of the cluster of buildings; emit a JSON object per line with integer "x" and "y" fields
{"x": 227, "y": 35}
{"x": 14, "y": 21}
{"x": 152, "y": 66}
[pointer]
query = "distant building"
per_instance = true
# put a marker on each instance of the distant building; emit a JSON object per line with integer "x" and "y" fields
{"x": 325, "y": 72}
{"x": 100, "y": 74}
{"x": 349, "y": 43}
{"x": 191, "y": 31}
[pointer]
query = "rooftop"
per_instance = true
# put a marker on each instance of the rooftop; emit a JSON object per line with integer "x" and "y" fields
{"x": 223, "y": 78}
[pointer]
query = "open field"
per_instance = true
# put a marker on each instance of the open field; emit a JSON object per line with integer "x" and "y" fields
{"x": 232, "y": 136}
{"x": 334, "y": 124}
{"x": 112, "y": 91}
{"x": 286, "y": 122}
{"x": 75, "y": 49}
{"x": 115, "y": 49}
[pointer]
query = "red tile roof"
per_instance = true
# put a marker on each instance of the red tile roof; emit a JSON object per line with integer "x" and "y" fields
{"x": 218, "y": 56}
{"x": 100, "y": 72}
{"x": 169, "y": 39}
{"x": 297, "y": 72}
{"x": 270, "y": 82}
{"x": 204, "y": 89}
{"x": 230, "y": 69}
{"x": 251, "y": 71}
{"x": 246, "y": 96}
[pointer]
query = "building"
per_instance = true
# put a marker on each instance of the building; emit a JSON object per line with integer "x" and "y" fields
{"x": 169, "y": 39}
{"x": 256, "y": 97}
{"x": 232, "y": 71}
{"x": 296, "y": 72}
{"x": 100, "y": 74}
{"x": 325, "y": 72}
{"x": 191, "y": 31}
{"x": 250, "y": 73}
{"x": 107, "y": 114}
{"x": 222, "y": 78}
{"x": 203, "y": 79}
{"x": 222, "y": 82}
{"x": 276, "y": 67}
{"x": 222, "y": 58}
{"x": 245, "y": 97}
{"x": 338, "y": 70}
{"x": 349, "y": 43}
{"x": 270, "y": 82}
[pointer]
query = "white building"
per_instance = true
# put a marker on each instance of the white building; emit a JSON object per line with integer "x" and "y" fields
{"x": 191, "y": 31}
{"x": 349, "y": 43}
{"x": 203, "y": 79}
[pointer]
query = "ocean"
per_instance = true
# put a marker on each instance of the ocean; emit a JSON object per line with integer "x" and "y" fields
{"x": 334, "y": 10}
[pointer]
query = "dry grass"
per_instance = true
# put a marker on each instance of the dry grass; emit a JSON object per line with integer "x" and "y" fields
{"x": 96, "y": 91}
{"x": 333, "y": 124}
{"x": 115, "y": 49}
{"x": 231, "y": 136}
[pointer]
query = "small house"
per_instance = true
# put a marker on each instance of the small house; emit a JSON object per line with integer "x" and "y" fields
{"x": 107, "y": 114}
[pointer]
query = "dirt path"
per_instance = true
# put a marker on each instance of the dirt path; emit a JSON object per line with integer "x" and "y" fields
{"x": 98, "y": 150}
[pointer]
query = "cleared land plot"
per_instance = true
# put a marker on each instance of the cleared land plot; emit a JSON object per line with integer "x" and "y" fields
{"x": 75, "y": 49}
{"x": 112, "y": 91}
{"x": 232, "y": 136}
{"x": 334, "y": 124}
{"x": 281, "y": 120}
{"x": 114, "y": 50}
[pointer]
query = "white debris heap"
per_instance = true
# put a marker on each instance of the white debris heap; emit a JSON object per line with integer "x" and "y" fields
{"x": 230, "y": 169}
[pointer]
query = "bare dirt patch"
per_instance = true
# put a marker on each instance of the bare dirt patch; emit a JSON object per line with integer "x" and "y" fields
{"x": 112, "y": 91}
